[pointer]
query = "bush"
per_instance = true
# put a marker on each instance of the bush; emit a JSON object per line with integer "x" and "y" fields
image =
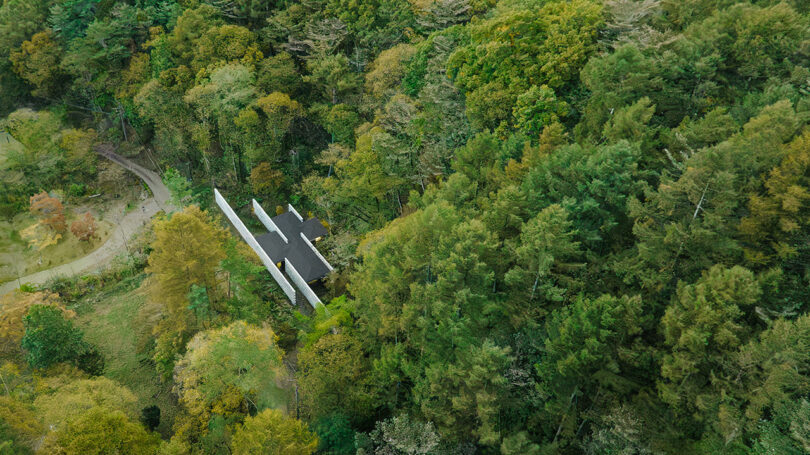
{"x": 77, "y": 189}
{"x": 50, "y": 338}
{"x": 71, "y": 289}
{"x": 28, "y": 287}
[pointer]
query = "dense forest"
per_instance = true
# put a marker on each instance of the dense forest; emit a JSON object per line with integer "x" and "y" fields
{"x": 557, "y": 226}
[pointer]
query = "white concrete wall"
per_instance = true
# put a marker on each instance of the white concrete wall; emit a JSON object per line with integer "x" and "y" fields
{"x": 248, "y": 237}
{"x": 306, "y": 240}
{"x": 290, "y": 208}
{"x": 267, "y": 221}
{"x": 296, "y": 278}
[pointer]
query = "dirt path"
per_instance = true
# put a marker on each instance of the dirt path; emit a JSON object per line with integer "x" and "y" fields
{"x": 125, "y": 229}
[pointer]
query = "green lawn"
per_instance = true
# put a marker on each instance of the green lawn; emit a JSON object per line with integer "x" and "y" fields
{"x": 108, "y": 319}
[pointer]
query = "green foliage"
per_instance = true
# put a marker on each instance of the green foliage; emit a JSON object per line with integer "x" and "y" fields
{"x": 278, "y": 74}
{"x": 462, "y": 397}
{"x": 557, "y": 226}
{"x": 198, "y": 303}
{"x": 50, "y": 338}
{"x": 179, "y": 187}
{"x": 334, "y": 362}
{"x": 176, "y": 264}
{"x": 230, "y": 370}
{"x": 340, "y": 122}
{"x": 519, "y": 443}
{"x": 544, "y": 251}
{"x": 37, "y": 62}
{"x": 272, "y": 433}
{"x": 150, "y": 417}
{"x": 19, "y": 20}
{"x": 521, "y": 46}
{"x": 332, "y": 77}
{"x": 401, "y": 435}
{"x": 19, "y": 427}
{"x": 703, "y": 327}
{"x": 225, "y": 44}
{"x": 593, "y": 186}
{"x": 69, "y": 19}
{"x": 70, "y": 399}
{"x": 387, "y": 70}
{"x": 51, "y": 155}
{"x": 105, "y": 45}
{"x": 587, "y": 350}
{"x": 537, "y": 108}
{"x": 100, "y": 431}
{"x": 335, "y": 435}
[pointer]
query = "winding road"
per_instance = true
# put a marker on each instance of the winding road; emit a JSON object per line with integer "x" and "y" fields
{"x": 125, "y": 230}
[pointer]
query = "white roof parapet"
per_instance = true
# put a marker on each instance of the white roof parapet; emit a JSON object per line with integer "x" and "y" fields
{"x": 315, "y": 250}
{"x": 248, "y": 237}
{"x": 290, "y": 208}
{"x": 310, "y": 295}
{"x": 267, "y": 221}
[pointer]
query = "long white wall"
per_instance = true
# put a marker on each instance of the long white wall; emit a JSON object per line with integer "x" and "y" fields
{"x": 310, "y": 295}
{"x": 248, "y": 237}
{"x": 315, "y": 250}
{"x": 267, "y": 221}
{"x": 290, "y": 208}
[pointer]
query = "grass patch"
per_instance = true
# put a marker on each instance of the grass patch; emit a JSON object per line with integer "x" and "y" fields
{"x": 17, "y": 258}
{"x": 7, "y": 144}
{"x": 108, "y": 318}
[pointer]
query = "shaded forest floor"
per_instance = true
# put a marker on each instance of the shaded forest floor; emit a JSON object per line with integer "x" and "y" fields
{"x": 109, "y": 320}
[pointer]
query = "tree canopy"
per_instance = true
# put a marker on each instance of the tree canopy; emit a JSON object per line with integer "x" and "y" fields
{"x": 556, "y": 226}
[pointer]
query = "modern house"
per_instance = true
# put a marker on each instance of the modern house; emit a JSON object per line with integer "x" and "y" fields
{"x": 286, "y": 249}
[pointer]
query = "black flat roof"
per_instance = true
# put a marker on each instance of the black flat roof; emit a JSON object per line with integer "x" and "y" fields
{"x": 296, "y": 250}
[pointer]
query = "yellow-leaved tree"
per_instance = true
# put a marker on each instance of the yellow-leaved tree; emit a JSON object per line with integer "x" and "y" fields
{"x": 95, "y": 415}
{"x": 272, "y": 433}
{"x": 226, "y": 375}
{"x": 187, "y": 250}
{"x": 231, "y": 370}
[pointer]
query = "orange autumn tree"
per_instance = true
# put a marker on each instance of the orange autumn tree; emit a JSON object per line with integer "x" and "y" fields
{"x": 49, "y": 210}
{"x": 84, "y": 228}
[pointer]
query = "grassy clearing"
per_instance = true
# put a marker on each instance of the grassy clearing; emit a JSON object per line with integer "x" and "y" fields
{"x": 17, "y": 258}
{"x": 109, "y": 319}
{"x": 7, "y": 144}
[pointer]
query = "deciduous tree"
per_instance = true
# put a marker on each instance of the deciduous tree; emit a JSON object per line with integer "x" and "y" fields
{"x": 49, "y": 210}
{"x": 334, "y": 377}
{"x": 401, "y": 435}
{"x": 84, "y": 228}
{"x": 188, "y": 248}
{"x": 19, "y": 427}
{"x": 272, "y": 433}
{"x": 231, "y": 370}
{"x": 68, "y": 398}
{"x": 100, "y": 431}
{"x": 37, "y": 62}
